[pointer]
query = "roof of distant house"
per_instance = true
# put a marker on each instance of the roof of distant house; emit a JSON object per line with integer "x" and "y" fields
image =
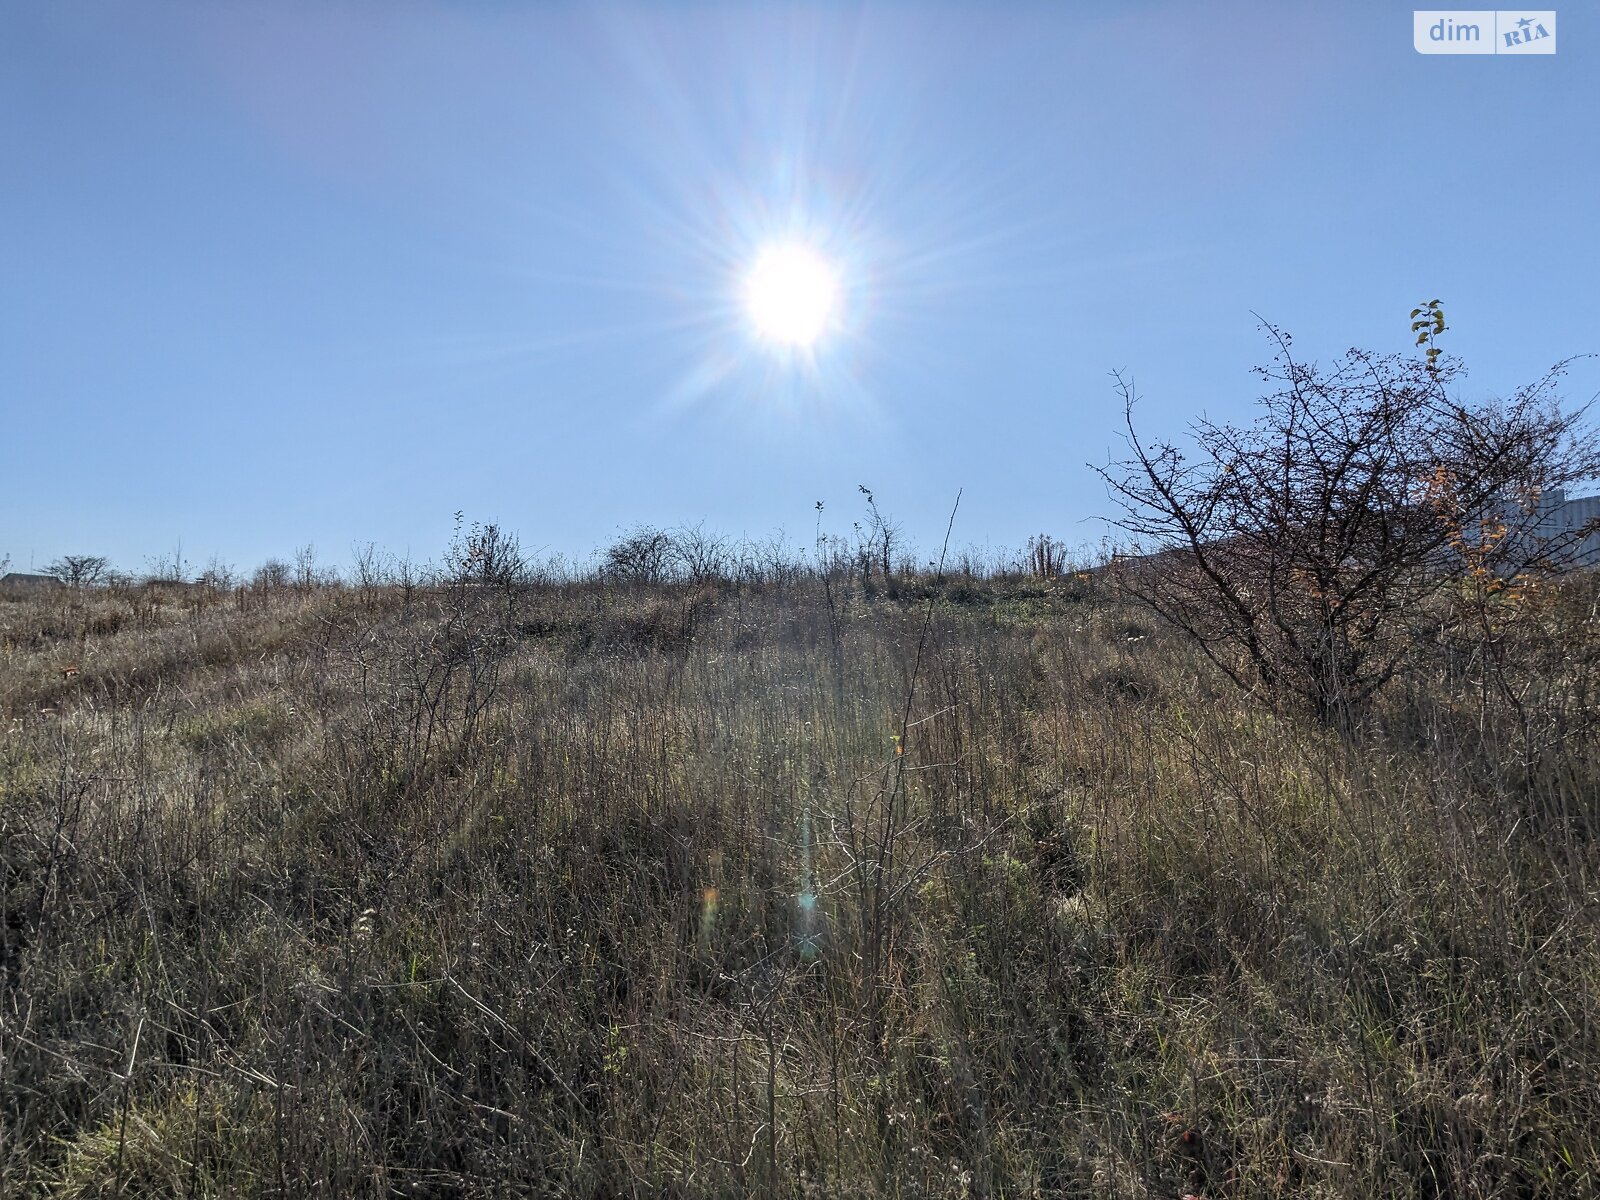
{"x": 22, "y": 579}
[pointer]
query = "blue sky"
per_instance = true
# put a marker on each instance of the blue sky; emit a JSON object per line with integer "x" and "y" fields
{"x": 279, "y": 274}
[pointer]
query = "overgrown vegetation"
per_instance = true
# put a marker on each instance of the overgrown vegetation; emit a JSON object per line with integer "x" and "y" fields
{"x": 1308, "y": 553}
{"x": 735, "y": 874}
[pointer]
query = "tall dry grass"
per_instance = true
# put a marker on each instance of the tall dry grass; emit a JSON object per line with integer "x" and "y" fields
{"x": 600, "y": 889}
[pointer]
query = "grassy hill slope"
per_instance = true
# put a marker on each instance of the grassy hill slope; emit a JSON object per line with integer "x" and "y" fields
{"x": 987, "y": 889}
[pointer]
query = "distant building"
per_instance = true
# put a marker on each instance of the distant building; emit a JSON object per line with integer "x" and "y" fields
{"x": 1567, "y": 530}
{"x": 18, "y": 581}
{"x": 1577, "y": 519}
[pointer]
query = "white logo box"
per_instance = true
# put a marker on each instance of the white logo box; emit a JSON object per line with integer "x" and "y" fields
{"x": 1483, "y": 31}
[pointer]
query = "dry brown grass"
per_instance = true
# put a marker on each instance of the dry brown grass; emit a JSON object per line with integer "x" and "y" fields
{"x": 598, "y": 890}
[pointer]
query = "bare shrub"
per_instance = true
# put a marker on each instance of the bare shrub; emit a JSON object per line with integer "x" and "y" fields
{"x": 879, "y": 544}
{"x": 272, "y": 575}
{"x": 1046, "y": 556}
{"x": 642, "y": 555}
{"x": 219, "y": 575}
{"x": 487, "y": 555}
{"x": 309, "y": 574}
{"x": 1297, "y": 552}
{"x": 368, "y": 566}
{"x": 168, "y": 568}
{"x": 79, "y": 570}
{"x": 698, "y": 554}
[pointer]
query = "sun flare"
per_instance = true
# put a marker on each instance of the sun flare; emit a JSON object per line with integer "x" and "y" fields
{"x": 792, "y": 295}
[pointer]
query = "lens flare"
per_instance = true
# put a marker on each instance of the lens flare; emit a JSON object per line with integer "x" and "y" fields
{"x": 708, "y": 914}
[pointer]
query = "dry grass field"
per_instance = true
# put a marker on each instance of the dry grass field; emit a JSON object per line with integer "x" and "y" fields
{"x": 989, "y": 887}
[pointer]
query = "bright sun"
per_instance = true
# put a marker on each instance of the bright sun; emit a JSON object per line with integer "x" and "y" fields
{"x": 792, "y": 293}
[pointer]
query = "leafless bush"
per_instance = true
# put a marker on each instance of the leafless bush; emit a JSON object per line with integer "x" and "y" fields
{"x": 79, "y": 570}
{"x": 309, "y": 574}
{"x": 781, "y": 562}
{"x": 834, "y": 556}
{"x": 698, "y": 554}
{"x": 1046, "y": 556}
{"x": 219, "y": 575}
{"x": 369, "y": 569}
{"x": 272, "y": 575}
{"x": 642, "y": 555}
{"x": 1297, "y": 552}
{"x": 486, "y": 555}
{"x": 879, "y": 543}
{"x": 168, "y": 568}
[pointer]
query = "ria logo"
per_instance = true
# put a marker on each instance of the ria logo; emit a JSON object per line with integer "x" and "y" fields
{"x": 1483, "y": 31}
{"x": 1528, "y": 31}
